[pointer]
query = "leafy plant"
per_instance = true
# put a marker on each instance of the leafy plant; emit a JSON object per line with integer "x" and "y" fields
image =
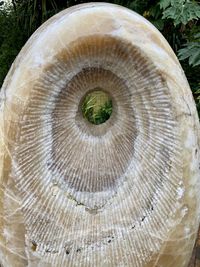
{"x": 191, "y": 51}
{"x": 32, "y": 13}
{"x": 11, "y": 39}
{"x": 103, "y": 113}
{"x": 181, "y": 29}
{"x": 180, "y": 11}
{"x": 95, "y": 112}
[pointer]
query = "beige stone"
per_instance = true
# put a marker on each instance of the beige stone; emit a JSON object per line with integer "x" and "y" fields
{"x": 122, "y": 193}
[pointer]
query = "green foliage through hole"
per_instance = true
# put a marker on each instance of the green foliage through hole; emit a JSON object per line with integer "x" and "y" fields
{"x": 97, "y": 107}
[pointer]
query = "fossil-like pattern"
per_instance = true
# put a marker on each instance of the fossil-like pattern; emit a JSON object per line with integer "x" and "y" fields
{"x": 122, "y": 193}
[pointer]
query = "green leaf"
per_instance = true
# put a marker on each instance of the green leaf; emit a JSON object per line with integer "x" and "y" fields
{"x": 155, "y": 12}
{"x": 181, "y": 11}
{"x": 192, "y": 52}
{"x": 197, "y": 35}
{"x": 159, "y": 24}
{"x": 194, "y": 58}
{"x": 164, "y": 3}
{"x": 138, "y": 6}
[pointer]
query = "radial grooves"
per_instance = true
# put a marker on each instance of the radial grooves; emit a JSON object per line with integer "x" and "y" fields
{"x": 120, "y": 178}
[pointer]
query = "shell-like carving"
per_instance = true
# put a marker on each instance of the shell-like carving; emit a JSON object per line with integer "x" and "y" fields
{"x": 122, "y": 193}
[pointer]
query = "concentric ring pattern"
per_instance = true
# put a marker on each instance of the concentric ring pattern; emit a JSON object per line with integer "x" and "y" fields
{"x": 116, "y": 194}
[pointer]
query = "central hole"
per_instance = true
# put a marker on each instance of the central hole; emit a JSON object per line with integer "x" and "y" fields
{"x": 97, "y": 107}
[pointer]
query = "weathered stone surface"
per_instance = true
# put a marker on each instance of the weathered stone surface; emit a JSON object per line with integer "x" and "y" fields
{"x": 123, "y": 193}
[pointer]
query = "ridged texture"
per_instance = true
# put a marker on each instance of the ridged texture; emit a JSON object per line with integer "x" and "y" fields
{"x": 122, "y": 193}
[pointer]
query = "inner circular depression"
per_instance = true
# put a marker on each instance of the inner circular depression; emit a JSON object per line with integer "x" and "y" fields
{"x": 87, "y": 156}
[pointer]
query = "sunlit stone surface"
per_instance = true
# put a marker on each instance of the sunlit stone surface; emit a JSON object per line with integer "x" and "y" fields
{"x": 122, "y": 193}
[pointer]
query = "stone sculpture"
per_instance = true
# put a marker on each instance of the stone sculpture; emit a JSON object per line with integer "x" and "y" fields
{"x": 122, "y": 193}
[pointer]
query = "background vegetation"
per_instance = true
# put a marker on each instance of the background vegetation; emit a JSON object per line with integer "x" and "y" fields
{"x": 178, "y": 21}
{"x": 97, "y": 107}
